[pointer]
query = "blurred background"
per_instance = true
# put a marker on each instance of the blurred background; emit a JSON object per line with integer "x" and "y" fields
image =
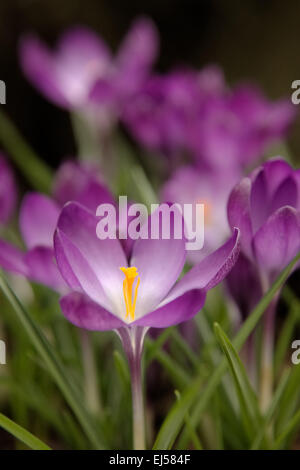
{"x": 253, "y": 40}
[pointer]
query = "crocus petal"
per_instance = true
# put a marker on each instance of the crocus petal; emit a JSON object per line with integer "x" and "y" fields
{"x": 43, "y": 269}
{"x": 259, "y": 201}
{"x": 285, "y": 195}
{"x": 276, "y": 170}
{"x": 238, "y": 210}
{"x": 75, "y": 269}
{"x": 12, "y": 258}
{"x": 84, "y": 313}
{"x": 159, "y": 263}
{"x": 8, "y": 191}
{"x": 81, "y": 59}
{"x": 74, "y": 182}
{"x": 39, "y": 67}
{"x": 38, "y": 219}
{"x": 244, "y": 285}
{"x": 179, "y": 310}
{"x": 210, "y": 271}
{"x": 278, "y": 240}
{"x": 139, "y": 48}
{"x": 91, "y": 259}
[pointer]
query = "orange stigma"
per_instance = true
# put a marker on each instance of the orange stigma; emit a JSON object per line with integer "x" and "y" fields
{"x": 130, "y": 275}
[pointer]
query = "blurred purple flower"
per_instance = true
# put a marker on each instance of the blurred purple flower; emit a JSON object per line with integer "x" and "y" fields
{"x": 161, "y": 111}
{"x": 82, "y": 69}
{"x": 8, "y": 191}
{"x": 237, "y": 128}
{"x": 144, "y": 291}
{"x": 266, "y": 208}
{"x": 192, "y": 185}
{"x": 38, "y": 218}
{"x": 194, "y": 112}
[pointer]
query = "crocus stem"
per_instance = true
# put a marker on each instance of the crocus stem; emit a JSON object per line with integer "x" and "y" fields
{"x": 266, "y": 378}
{"x": 133, "y": 339}
{"x": 137, "y": 406}
{"x": 91, "y": 388}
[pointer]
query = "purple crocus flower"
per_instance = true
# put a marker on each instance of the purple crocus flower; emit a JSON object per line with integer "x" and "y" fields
{"x": 194, "y": 113}
{"x": 131, "y": 294}
{"x": 111, "y": 291}
{"x": 161, "y": 112}
{"x": 82, "y": 67}
{"x": 266, "y": 208}
{"x": 38, "y": 218}
{"x": 236, "y": 128}
{"x": 8, "y": 191}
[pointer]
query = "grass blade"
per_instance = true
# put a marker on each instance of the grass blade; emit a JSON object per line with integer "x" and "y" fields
{"x": 33, "y": 168}
{"x": 22, "y": 434}
{"x": 55, "y": 368}
{"x": 247, "y": 398}
{"x": 175, "y": 418}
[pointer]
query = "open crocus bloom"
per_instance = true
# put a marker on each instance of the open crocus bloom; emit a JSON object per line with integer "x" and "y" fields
{"x": 110, "y": 291}
{"x": 266, "y": 208}
{"x": 38, "y": 218}
{"x": 82, "y": 60}
{"x": 7, "y": 191}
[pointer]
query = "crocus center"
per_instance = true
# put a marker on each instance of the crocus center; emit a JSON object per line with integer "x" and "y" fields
{"x": 130, "y": 275}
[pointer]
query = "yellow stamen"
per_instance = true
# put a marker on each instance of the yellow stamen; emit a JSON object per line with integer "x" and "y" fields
{"x": 130, "y": 275}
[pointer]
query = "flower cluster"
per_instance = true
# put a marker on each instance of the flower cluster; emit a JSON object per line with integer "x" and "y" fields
{"x": 201, "y": 142}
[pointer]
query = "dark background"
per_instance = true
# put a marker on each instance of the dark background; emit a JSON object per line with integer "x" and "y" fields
{"x": 254, "y": 40}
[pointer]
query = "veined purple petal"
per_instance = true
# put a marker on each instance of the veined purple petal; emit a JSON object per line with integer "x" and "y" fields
{"x": 210, "y": 271}
{"x": 12, "y": 259}
{"x": 278, "y": 240}
{"x": 38, "y": 219}
{"x": 42, "y": 268}
{"x": 159, "y": 263}
{"x": 95, "y": 263}
{"x": 8, "y": 191}
{"x": 75, "y": 269}
{"x": 178, "y": 310}
{"x": 84, "y": 313}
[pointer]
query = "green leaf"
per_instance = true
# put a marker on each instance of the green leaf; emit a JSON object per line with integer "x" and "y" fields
{"x": 247, "y": 398}
{"x": 286, "y": 331}
{"x": 178, "y": 374}
{"x": 291, "y": 426}
{"x": 33, "y": 168}
{"x": 175, "y": 418}
{"x": 22, "y": 434}
{"x": 52, "y": 364}
{"x": 195, "y": 439}
{"x": 274, "y": 406}
{"x": 122, "y": 368}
